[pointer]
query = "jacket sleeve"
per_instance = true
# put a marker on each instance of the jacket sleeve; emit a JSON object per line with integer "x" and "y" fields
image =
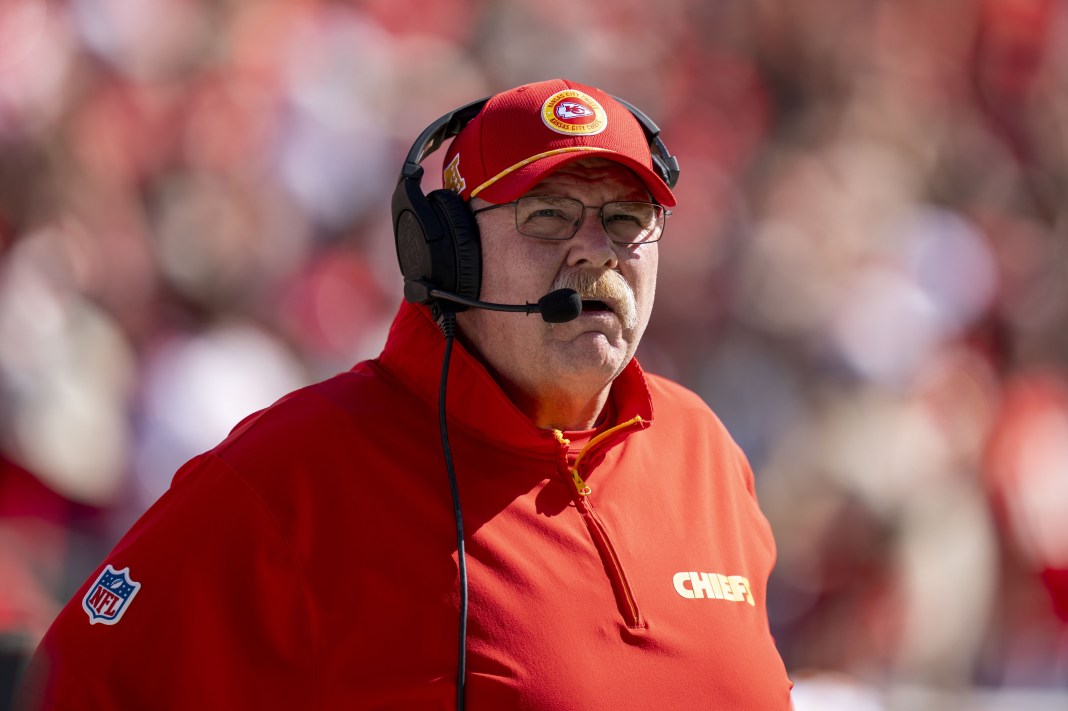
{"x": 201, "y": 605}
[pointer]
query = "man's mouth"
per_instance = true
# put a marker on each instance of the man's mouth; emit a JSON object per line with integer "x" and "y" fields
{"x": 589, "y": 305}
{"x": 603, "y": 293}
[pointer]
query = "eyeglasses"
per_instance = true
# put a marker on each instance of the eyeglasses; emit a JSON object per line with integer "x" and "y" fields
{"x": 559, "y": 218}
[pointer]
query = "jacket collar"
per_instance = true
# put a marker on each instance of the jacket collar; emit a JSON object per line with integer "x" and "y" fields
{"x": 413, "y": 353}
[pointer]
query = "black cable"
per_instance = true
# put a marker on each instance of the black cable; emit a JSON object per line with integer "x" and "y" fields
{"x": 448, "y": 328}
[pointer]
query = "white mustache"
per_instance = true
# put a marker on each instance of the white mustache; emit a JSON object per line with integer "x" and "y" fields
{"x": 609, "y": 287}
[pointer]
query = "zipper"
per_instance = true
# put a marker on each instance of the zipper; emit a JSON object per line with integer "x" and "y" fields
{"x": 628, "y": 606}
{"x": 624, "y": 593}
{"x": 581, "y": 487}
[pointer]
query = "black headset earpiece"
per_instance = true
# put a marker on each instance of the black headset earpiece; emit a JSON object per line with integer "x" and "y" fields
{"x": 436, "y": 235}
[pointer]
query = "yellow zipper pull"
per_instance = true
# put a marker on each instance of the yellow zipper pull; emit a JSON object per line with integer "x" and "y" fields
{"x": 581, "y": 486}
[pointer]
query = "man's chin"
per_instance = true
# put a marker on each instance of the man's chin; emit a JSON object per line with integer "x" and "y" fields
{"x": 594, "y": 353}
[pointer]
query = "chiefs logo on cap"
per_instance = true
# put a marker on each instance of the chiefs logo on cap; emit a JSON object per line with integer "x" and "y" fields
{"x": 573, "y": 113}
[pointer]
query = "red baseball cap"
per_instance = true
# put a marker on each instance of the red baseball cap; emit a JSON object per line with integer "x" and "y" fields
{"x": 523, "y": 134}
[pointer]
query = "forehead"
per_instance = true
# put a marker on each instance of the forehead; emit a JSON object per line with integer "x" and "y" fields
{"x": 597, "y": 177}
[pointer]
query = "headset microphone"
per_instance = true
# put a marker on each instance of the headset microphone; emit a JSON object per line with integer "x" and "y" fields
{"x": 558, "y": 306}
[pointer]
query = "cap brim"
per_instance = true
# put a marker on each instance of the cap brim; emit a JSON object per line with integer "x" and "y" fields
{"x": 518, "y": 182}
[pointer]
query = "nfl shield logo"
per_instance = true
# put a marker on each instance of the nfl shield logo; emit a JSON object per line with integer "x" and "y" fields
{"x": 109, "y": 596}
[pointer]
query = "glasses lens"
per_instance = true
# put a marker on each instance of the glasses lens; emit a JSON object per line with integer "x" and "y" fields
{"x": 547, "y": 217}
{"x": 633, "y": 222}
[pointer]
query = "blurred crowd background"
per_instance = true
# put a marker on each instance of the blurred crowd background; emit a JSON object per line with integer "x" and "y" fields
{"x": 865, "y": 277}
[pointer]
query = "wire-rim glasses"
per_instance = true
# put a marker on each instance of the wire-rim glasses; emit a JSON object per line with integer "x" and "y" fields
{"x": 550, "y": 217}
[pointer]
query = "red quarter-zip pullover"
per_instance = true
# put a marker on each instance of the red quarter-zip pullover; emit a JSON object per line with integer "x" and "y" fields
{"x": 309, "y": 561}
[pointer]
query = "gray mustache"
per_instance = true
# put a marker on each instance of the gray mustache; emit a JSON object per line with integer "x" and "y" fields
{"x": 609, "y": 287}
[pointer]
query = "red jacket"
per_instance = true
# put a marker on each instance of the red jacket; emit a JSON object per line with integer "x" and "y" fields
{"x": 309, "y": 561}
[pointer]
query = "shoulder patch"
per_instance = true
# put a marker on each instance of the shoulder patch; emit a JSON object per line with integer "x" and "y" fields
{"x": 110, "y": 596}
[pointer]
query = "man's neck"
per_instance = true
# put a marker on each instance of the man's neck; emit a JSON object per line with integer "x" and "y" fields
{"x": 568, "y": 404}
{"x": 563, "y": 411}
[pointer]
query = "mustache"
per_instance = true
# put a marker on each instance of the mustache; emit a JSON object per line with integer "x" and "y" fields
{"x": 608, "y": 286}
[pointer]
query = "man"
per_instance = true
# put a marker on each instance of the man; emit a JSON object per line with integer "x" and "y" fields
{"x": 613, "y": 548}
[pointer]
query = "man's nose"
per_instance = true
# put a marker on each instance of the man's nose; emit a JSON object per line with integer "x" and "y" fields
{"x": 591, "y": 245}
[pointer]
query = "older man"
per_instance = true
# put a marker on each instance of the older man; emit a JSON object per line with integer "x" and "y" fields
{"x": 608, "y": 552}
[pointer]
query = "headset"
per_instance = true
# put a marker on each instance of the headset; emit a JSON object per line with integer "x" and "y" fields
{"x": 436, "y": 235}
{"x": 440, "y": 256}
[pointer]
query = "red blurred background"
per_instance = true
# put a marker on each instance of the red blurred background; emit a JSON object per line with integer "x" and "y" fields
{"x": 865, "y": 277}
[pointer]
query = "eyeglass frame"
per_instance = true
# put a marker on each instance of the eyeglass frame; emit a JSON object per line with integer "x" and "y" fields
{"x": 582, "y": 219}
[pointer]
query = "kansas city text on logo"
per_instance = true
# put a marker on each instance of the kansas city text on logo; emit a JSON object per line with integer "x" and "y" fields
{"x": 573, "y": 112}
{"x": 110, "y": 596}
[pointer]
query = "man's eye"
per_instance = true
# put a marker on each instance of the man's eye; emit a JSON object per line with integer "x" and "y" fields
{"x": 549, "y": 213}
